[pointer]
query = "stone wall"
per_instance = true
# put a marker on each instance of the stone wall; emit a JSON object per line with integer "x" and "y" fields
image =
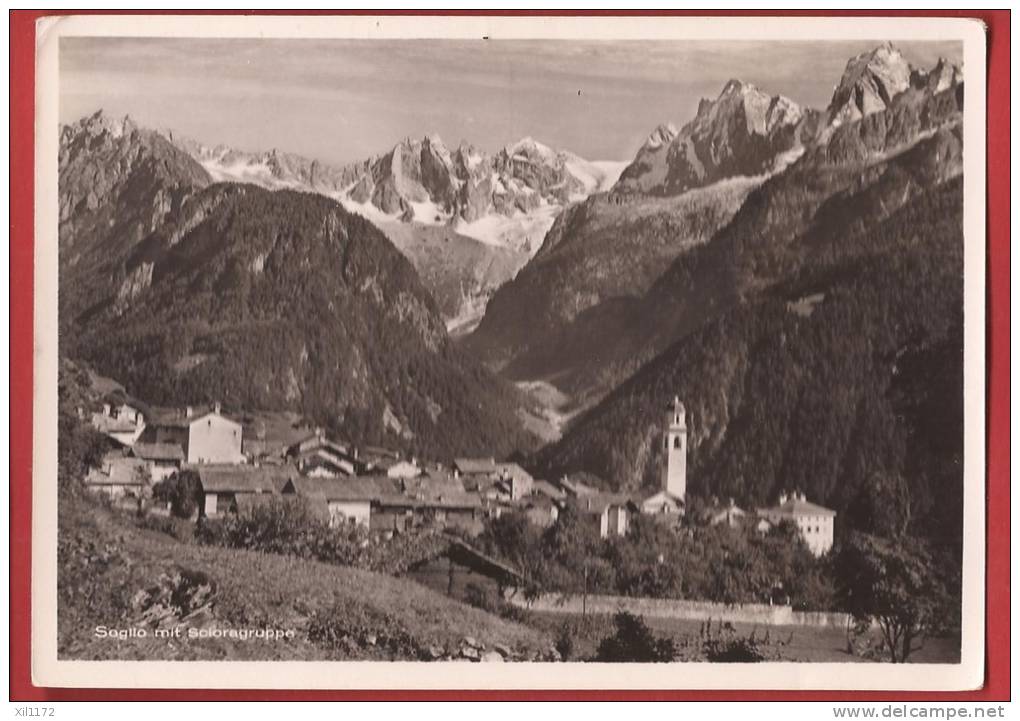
{"x": 752, "y": 613}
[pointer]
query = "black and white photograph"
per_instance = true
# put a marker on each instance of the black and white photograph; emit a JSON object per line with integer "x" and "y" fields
{"x": 567, "y": 348}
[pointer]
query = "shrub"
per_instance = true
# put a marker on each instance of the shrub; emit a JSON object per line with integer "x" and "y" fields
{"x": 350, "y": 628}
{"x": 727, "y": 646}
{"x": 291, "y": 526}
{"x": 182, "y": 490}
{"x": 634, "y": 642}
{"x": 565, "y": 642}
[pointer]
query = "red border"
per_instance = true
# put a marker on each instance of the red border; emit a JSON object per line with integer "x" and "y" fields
{"x": 996, "y": 686}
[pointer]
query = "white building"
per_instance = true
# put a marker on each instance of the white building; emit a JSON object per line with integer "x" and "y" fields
{"x": 815, "y": 523}
{"x": 208, "y": 437}
{"x": 671, "y": 498}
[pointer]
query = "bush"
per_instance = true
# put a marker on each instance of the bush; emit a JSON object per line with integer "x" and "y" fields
{"x": 634, "y": 642}
{"x": 349, "y": 628}
{"x": 727, "y": 646}
{"x": 566, "y": 643}
{"x": 182, "y": 490}
{"x": 291, "y": 526}
{"x": 177, "y": 528}
{"x": 488, "y": 600}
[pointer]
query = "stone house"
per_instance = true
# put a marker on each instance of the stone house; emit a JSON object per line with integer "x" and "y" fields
{"x": 120, "y": 420}
{"x": 206, "y": 437}
{"x": 119, "y": 477}
{"x": 343, "y": 500}
{"x": 610, "y": 512}
{"x": 162, "y": 459}
{"x": 224, "y": 485}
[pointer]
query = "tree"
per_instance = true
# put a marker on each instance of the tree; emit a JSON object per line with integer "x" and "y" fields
{"x": 883, "y": 506}
{"x": 634, "y": 642}
{"x": 182, "y": 490}
{"x": 79, "y": 448}
{"x": 894, "y": 584}
{"x": 516, "y": 539}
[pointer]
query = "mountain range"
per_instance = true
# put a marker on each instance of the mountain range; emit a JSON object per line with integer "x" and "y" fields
{"x": 788, "y": 331}
{"x": 190, "y": 291}
{"x": 551, "y": 322}
{"x": 467, "y": 220}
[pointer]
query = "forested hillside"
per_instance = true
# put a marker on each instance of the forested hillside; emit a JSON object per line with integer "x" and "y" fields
{"x": 816, "y": 341}
{"x": 258, "y": 299}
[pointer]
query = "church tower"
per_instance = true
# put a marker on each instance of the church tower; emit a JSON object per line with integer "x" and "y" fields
{"x": 674, "y": 472}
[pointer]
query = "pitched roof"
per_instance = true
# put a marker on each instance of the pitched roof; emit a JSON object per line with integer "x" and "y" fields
{"x": 512, "y": 470}
{"x": 224, "y": 478}
{"x": 796, "y": 506}
{"x": 475, "y": 465}
{"x": 315, "y": 441}
{"x": 108, "y": 424}
{"x": 263, "y": 446}
{"x": 598, "y": 502}
{"x": 176, "y": 418}
{"x": 358, "y": 488}
{"x": 158, "y": 451}
{"x": 663, "y": 497}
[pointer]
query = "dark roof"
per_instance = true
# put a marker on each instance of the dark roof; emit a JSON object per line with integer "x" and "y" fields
{"x": 585, "y": 478}
{"x": 158, "y": 451}
{"x": 263, "y": 446}
{"x": 316, "y": 440}
{"x": 598, "y": 502}
{"x": 465, "y": 554}
{"x": 381, "y": 452}
{"x": 475, "y": 465}
{"x": 119, "y": 397}
{"x": 359, "y": 488}
{"x": 224, "y": 478}
{"x": 512, "y": 470}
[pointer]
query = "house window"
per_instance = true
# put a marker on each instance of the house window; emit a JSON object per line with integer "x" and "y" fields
{"x": 676, "y": 442}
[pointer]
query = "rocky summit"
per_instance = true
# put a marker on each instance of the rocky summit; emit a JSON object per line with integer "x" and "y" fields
{"x": 422, "y": 181}
{"x": 744, "y": 131}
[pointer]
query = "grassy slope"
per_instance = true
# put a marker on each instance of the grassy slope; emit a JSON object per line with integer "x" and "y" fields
{"x": 252, "y": 590}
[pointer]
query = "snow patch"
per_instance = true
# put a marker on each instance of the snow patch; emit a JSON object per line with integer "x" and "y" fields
{"x": 522, "y": 231}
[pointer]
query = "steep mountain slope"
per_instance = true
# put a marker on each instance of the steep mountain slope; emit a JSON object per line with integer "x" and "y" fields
{"x": 742, "y": 132}
{"x": 808, "y": 335}
{"x": 272, "y": 300}
{"x": 468, "y": 221}
{"x": 609, "y": 247}
{"x": 585, "y": 337}
{"x": 284, "y": 300}
{"x": 460, "y": 272}
{"x": 118, "y": 183}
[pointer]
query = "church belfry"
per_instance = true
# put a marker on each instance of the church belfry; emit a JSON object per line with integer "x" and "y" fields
{"x": 674, "y": 472}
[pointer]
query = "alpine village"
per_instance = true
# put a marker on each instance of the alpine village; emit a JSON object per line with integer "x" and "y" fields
{"x": 439, "y": 405}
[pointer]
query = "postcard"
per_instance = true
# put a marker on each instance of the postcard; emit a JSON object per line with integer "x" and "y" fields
{"x": 509, "y": 353}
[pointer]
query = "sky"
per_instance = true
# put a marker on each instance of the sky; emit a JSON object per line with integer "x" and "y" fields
{"x": 345, "y": 100}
